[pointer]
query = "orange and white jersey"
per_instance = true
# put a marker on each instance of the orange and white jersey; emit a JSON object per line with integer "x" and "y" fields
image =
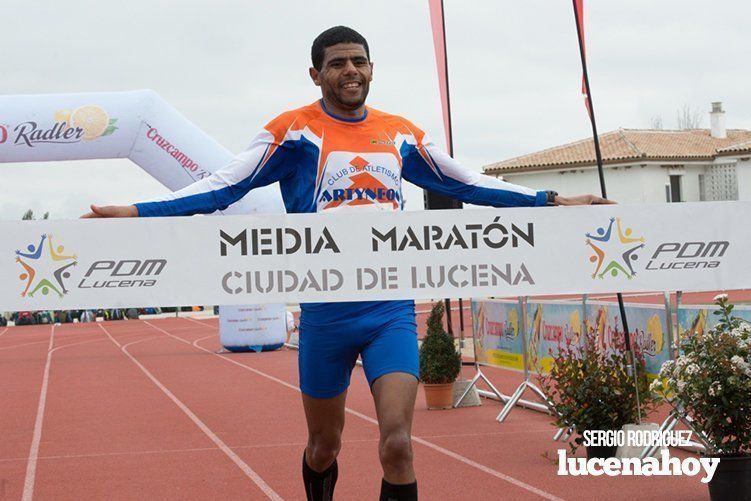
{"x": 325, "y": 162}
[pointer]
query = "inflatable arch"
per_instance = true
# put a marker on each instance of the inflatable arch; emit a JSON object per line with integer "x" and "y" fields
{"x": 140, "y": 126}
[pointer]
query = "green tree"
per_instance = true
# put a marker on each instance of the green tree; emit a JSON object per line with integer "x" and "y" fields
{"x": 29, "y": 215}
{"x": 440, "y": 363}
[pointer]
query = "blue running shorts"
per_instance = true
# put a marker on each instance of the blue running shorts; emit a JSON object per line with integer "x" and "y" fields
{"x": 332, "y": 335}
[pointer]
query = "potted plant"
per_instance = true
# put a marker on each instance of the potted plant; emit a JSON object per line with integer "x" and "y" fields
{"x": 589, "y": 388}
{"x": 440, "y": 362}
{"x": 711, "y": 381}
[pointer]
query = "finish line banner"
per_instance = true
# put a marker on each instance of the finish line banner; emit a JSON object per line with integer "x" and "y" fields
{"x": 363, "y": 255}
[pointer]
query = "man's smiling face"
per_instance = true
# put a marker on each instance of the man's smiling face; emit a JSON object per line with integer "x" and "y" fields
{"x": 344, "y": 77}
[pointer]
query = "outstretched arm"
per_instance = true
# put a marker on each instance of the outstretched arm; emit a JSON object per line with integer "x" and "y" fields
{"x": 262, "y": 163}
{"x": 112, "y": 211}
{"x": 427, "y": 166}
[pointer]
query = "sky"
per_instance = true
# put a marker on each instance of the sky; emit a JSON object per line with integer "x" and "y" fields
{"x": 231, "y": 66}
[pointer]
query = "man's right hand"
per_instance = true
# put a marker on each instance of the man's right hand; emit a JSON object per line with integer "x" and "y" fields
{"x": 112, "y": 211}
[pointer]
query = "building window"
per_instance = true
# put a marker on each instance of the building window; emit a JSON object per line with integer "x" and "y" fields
{"x": 720, "y": 182}
{"x": 675, "y": 189}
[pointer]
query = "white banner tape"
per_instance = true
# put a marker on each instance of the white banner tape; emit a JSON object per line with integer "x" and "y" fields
{"x": 374, "y": 256}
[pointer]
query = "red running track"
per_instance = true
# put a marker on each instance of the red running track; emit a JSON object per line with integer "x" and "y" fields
{"x": 147, "y": 409}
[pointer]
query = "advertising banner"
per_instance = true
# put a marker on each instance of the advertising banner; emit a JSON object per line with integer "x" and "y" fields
{"x": 498, "y": 339}
{"x": 648, "y": 326}
{"x": 353, "y": 256}
{"x": 698, "y": 319}
{"x": 138, "y": 125}
{"x": 548, "y": 326}
{"x": 552, "y": 324}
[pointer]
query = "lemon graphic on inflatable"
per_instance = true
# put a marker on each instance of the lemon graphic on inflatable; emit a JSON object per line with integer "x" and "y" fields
{"x": 63, "y": 116}
{"x": 92, "y": 119}
{"x": 654, "y": 329}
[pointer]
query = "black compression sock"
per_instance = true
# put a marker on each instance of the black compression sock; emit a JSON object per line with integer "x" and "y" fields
{"x": 319, "y": 486}
{"x": 398, "y": 492}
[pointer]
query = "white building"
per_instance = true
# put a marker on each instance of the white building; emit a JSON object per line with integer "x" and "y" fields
{"x": 644, "y": 165}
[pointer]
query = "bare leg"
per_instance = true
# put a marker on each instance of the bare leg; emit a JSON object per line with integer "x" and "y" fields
{"x": 325, "y": 417}
{"x": 394, "y": 395}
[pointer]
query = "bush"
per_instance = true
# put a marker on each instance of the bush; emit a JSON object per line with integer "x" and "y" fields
{"x": 712, "y": 381}
{"x": 440, "y": 363}
{"x": 589, "y": 387}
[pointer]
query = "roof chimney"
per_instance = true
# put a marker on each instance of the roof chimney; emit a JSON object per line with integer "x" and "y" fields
{"x": 717, "y": 119}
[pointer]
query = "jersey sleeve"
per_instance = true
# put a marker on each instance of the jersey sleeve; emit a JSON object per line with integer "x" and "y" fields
{"x": 266, "y": 160}
{"x": 427, "y": 166}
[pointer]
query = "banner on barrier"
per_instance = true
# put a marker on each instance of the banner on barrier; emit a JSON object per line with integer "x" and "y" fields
{"x": 361, "y": 255}
{"x": 549, "y": 325}
{"x": 696, "y": 320}
{"x": 497, "y": 329}
{"x": 648, "y": 326}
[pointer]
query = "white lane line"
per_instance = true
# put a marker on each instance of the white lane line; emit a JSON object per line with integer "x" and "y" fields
{"x": 435, "y": 447}
{"x": 502, "y": 476}
{"x": 21, "y": 345}
{"x": 263, "y": 374}
{"x": 201, "y": 339}
{"x": 33, "y": 459}
{"x": 31, "y": 465}
{"x": 197, "y": 421}
{"x": 58, "y": 335}
{"x": 4, "y": 331}
{"x": 28, "y": 490}
{"x": 179, "y": 451}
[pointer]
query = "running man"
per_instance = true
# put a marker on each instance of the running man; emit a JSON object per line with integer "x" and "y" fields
{"x": 338, "y": 154}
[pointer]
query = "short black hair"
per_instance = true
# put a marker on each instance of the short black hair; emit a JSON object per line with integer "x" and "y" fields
{"x": 333, "y": 36}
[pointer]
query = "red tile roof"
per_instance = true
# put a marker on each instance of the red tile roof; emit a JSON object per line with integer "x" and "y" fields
{"x": 624, "y": 145}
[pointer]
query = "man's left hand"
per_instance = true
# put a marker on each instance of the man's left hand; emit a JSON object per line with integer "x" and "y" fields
{"x": 582, "y": 200}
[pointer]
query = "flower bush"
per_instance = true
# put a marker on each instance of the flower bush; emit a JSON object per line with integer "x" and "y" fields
{"x": 589, "y": 386}
{"x": 711, "y": 379}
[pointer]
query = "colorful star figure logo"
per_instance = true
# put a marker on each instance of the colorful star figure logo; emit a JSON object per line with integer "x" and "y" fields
{"x": 44, "y": 271}
{"x": 614, "y": 254}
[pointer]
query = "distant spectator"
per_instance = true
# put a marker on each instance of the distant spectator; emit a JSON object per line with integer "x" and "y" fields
{"x": 87, "y": 316}
{"x": 131, "y": 314}
{"x": 24, "y": 318}
{"x": 44, "y": 317}
{"x": 113, "y": 314}
{"x": 117, "y": 314}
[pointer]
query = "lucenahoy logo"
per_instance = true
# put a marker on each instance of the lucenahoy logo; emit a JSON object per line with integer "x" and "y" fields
{"x": 45, "y": 267}
{"x": 615, "y": 250}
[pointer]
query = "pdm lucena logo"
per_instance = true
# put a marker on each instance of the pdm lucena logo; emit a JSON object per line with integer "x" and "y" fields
{"x": 45, "y": 267}
{"x": 615, "y": 250}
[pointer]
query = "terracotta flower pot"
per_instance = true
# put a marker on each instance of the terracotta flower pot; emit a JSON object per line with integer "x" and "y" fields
{"x": 439, "y": 396}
